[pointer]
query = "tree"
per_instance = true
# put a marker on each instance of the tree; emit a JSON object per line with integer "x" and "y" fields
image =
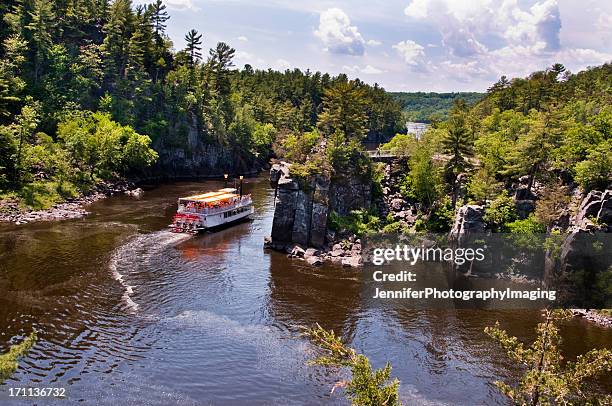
{"x": 458, "y": 145}
{"x": 366, "y": 387}
{"x": 596, "y": 171}
{"x": 43, "y": 21}
{"x": 221, "y": 60}
{"x": 423, "y": 179}
{"x": 194, "y": 46}
{"x": 117, "y": 31}
{"x": 344, "y": 110}
{"x": 483, "y": 186}
{"x": 159, "y": 17}
{"x": 548, "y": 380}
{"x": 533, "y": 148}
{"x": 501, "y": 212}
{"x": 551, "y": 205}
{"x": 25, "y": 126}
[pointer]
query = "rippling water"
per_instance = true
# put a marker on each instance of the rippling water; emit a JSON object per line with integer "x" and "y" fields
{"x": 128, "y": 312}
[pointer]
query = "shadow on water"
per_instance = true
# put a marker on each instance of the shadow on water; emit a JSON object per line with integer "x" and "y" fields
{"x": 128, "y": 312}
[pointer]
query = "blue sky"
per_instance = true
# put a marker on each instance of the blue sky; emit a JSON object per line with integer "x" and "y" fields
{"x": 407, "y": 45}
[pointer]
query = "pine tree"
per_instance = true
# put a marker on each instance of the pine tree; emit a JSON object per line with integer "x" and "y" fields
{"x": 159, "y": 17}
{"x": 344, "y": 110}
{"x": 458, "y": 145}
{"x": 194, "y": 46}
{"x": 548, "y": 380}
{"x": 40, "y": 31}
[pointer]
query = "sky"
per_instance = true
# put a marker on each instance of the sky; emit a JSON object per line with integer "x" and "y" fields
{"x": 404, "y": 45}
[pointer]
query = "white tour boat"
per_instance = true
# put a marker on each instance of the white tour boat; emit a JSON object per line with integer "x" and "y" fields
{"x": 213, "y": 209}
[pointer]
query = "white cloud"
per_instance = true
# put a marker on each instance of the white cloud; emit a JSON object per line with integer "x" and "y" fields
{"x": 242, "y": 38}
{"x": 371, "y": 70}
{"x": 243, "y": 57}
{"x": 374, "y": 43}
{"x": 410, "y": 51}
{"x": 283, "y": 64}
{"x": 368, "y": 69}
{"x": 467, "y": 27}
{"x": 337, "y": 33}
{"x": 181, "y": 4}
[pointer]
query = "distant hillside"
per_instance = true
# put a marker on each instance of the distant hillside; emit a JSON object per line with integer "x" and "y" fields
{"x": 420, "y": 106}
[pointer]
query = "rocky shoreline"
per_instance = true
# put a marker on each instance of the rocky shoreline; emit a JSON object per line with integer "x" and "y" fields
{"x": 346, "y": 253}
{"x": 11, "y": 212}
{"x": 594, "y": 317}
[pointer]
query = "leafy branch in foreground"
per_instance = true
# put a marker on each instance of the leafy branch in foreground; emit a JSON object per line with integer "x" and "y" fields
{"x": 8, "y": 361}
{"x": 547, "y": 381}
{"x": 366, "y": 387}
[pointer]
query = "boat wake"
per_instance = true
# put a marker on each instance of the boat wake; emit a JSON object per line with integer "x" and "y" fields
{"x": 130, "y": 255}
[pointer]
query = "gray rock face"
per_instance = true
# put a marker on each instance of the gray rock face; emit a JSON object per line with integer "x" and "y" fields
{"x": 469, "y": 219}
{"x": 301, "y": 212}
{"x": 595, "y": 206}
{"x": 590, "y": 226}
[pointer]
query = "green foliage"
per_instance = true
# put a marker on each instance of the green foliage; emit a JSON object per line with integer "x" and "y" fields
{"x": 500, "y": 212}
{"x": 527, "y": 233}
{"x": 428, "y": 107}
{"x": 9, "y": 360}
{"x": 441, "y": 217}
{"x": 296, "y": 148}
{"x": 99, "y": 147}
{"x": 548, "y": 380}
{"x": 359, "y": 222}
{"x": 423, "y": 181}
{"x": 458, "y": 145}
{"x": 483, "y": 186}
{"x": 366, "y": 387}
{"x": 344, "y": 110}
{"x": 402, "y": 145}
{"x": 596, "y": 171}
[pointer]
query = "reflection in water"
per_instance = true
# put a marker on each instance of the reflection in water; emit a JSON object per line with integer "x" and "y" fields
{"x": 128, "y": 312}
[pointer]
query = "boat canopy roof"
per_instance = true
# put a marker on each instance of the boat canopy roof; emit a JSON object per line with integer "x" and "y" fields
{"x": 210, "y": 197}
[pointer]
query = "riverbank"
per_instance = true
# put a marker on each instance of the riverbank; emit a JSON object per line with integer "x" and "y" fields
{"x": 594, "y": 316}
{"x": 11, "y": 210}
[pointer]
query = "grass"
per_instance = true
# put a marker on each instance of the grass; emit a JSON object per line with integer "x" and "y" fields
{"x": 9, "y": 361}
{"x": 40, "y": 195}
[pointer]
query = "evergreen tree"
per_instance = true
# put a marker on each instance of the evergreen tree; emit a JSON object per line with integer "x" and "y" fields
{"x": 458, "y": 145}
{"x": 40, "y": 33}
{"x": 194, "y": 46}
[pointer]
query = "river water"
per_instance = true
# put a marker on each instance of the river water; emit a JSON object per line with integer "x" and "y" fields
{"x": 129, "y": 313}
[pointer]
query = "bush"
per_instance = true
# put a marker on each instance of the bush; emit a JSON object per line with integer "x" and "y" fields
{"x": 527, "y": 233}
{"x": 296, "y": 147}
{"x": 359, "y": 222}
{"x": 501, "y": 212}
{"x": 596, "y": 171}
{"x": 441, "y": 217}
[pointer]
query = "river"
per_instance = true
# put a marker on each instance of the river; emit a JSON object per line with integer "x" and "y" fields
{"x": 129, "y": 313}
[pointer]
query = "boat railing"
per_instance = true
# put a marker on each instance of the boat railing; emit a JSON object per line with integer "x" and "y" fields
{"x": 244, "y": 201}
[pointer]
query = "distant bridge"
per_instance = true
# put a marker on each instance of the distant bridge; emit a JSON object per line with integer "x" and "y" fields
{"x": 381, "y": 156}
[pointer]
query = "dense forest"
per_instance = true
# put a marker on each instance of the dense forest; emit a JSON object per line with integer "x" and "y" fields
{"x": 545, "y": 138}
{"x": 431, "y": 107}
{"x": 93, "y": 90}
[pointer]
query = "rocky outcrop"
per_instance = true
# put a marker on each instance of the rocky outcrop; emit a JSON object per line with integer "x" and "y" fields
{"x": 595, "y": 211}
{"x": 300, "y": 215}
{"x": 302, "y": 209}
{"x": 392, "y": 203}
{"x": 468, "y": 220}
{"x": 584, "y": 252}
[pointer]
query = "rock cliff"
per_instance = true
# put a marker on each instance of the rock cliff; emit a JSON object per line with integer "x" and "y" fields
{"x": 302, "y": 207}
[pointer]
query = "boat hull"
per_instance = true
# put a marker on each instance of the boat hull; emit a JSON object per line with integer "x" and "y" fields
{"x": 194, "y": 223}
